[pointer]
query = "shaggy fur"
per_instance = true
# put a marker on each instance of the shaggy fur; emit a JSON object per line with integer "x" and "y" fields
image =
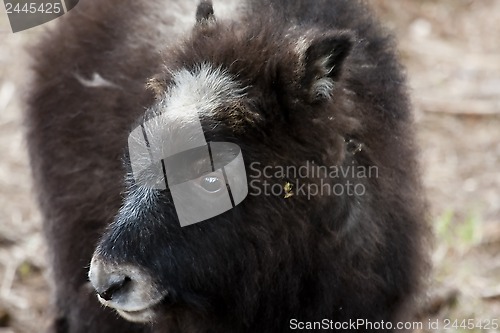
{"x": 320, "y": 77}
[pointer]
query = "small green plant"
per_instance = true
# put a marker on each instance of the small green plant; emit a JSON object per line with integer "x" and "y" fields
{"x": 470, "y": 231}
{"x": 459, "y": 235}
{"x": 442, "y": 227}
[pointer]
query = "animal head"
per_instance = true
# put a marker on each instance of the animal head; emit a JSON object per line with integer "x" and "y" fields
{"x": 270, "y": 88}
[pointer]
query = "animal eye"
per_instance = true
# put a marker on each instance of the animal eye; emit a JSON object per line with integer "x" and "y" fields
{"x": 211, "y": 184}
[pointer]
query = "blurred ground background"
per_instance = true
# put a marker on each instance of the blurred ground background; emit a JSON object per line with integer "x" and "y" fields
{"x": 452, "y": 51}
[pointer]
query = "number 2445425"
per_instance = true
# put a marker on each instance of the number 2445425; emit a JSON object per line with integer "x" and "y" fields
{"x": 34, "y": 8}
{"x": 471, "y": 324}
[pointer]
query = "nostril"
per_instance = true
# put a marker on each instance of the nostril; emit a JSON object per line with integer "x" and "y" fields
{"x": 114, "y": 287}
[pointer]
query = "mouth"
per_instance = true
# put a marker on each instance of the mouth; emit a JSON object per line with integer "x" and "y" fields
{"x": 141, "y": 315}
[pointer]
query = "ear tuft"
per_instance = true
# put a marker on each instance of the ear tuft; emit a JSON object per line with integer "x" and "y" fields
{"x": 323, "y": 63}
{"x": 205, "y": 12}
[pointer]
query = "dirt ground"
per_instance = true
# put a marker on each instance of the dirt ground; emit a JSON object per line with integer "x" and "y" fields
{"x": 452, "y": 52}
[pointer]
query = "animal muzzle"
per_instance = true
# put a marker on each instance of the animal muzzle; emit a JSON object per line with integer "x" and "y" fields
{"x": 130, "y": 290}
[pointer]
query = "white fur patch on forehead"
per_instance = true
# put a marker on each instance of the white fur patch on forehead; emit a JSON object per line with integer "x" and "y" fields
{"x": 199, "y": 92}
{"x": 175, "y": 124}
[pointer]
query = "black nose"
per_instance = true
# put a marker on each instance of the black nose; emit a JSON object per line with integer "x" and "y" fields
{"x": 110, "y": 281}
{"x": 113, "y": 287}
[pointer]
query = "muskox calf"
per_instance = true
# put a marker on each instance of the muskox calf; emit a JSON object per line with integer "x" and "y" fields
{"x": 321, "y": 222}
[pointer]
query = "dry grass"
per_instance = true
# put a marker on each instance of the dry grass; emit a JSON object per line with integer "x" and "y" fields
{"x": 452, "y": 51}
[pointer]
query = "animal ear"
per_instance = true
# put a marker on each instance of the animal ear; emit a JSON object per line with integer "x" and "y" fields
{"x": 324, "y": 59}
{"x": 205, "y": 13}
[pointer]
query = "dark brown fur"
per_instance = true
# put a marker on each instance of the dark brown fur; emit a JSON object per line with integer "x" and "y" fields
{"x": 329, "y": 258}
